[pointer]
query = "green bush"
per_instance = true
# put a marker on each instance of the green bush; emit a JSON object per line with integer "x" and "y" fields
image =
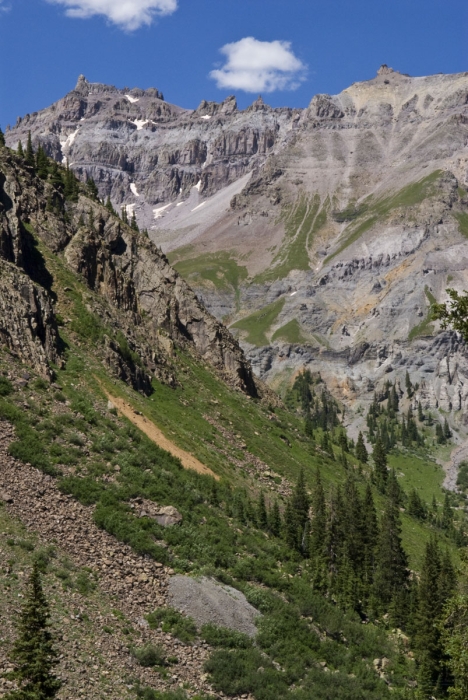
{"x": 225, "y": 638}
{"x": 149, "y": 655}
{"x": 246, "y": 671}
{"x": 6, "y": 387}
{"x": 172, "y": 621}
{"x": 84, "y": 584}
{"x": 29, "y": 448}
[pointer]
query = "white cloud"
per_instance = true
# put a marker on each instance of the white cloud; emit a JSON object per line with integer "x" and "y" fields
{"x": 128, "y": 14}
{"x": 259, "y": 66}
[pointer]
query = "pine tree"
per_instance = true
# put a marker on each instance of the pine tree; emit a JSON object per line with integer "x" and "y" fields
{"x": 42, "y": 163}
{"x": 370, "y": 533}
{"x": 447, "y": 514}
{"x": 262, "y": 518}
{"x": 2, "y": 137}
{"x": 420, "y": 412}
{"x": 441, "y": 439}
{"x": 318, "y": 534}
{"x": 436, "y": 585}
{"x": 380, "y": 466}
{"x": 361, "y": 451}
{"x": 275, "y": 520}
{"x": 20, "y": 150}
{"x": 133, "y": 223}
{"x": 393, "y": 489}
{"x": 309, "y": 426}
{"x": 290, "y": 527}
{"x": 29, "y": 155}
{"x": 391, "y": 574}
{"x": 447, "y": 431}
{"x": 416, "y": 507}
{"x": 92, "y": 189}
{"x": 124, "y": 215}
{"x": 110, "y": 207}
{"x": 33, "y": 653}
{"x": 300, "y": 503}
{"x": 409, "y": 386}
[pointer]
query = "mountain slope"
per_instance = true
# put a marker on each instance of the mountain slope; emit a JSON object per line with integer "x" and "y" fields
{"x": 352, "y": 213}
{"x": 300, "y": 521}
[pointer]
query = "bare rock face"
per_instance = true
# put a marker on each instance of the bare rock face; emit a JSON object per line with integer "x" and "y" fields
{"x": 120, "y": 265}
{"x": 208, "y": 601}
{"x": 143, "y": 151}
{"x": 27, "y": 323}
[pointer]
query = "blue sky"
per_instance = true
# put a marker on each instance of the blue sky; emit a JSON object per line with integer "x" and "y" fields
{"x": 287, "y": 49}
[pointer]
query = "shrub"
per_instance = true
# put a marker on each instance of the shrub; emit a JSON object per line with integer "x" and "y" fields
{"x": 246, "y": 671}
{"x": 225, "y": 638}
{"x": 6, "y": 387}
{"x": 184, "y": 628}
{"x": 29, "y": 448}
{"x": 149, "y": 655}
{"x": 84, "y": 584}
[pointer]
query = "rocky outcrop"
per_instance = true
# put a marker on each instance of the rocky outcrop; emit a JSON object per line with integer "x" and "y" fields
{"x": 119, "y": 264}
{"x": 27, "y": 323}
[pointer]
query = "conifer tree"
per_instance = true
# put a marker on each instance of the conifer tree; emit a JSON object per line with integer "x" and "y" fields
{"x": 110, "y": 207}
{"x": 447, "y": 513}
{"x": 336, "y": 536}
{"x": 29, "y": 155}
{"x": 308, "y": 426}
{"x": 370, "y": 533}
{"x": 262, "y": 518}
{"x": 447, "y": 431}
{"x": 92, "y": 189}
{"x": 361, "y": 451}
{"x": 393, "y": 489}
{"x": 42, "y": 163}
{"x": 133, "y": 223}
{"x": 290, "y": 527}
{"x": 380, "y": 466}
{"x": 318, "y": 534}
{"x": 436, "y": 585}
{"x": 409, "y": 386}
{"x": 33, "y": 654}
{"x": 275, "y": 520}
{"x": 391, "y": 574}
{"x": 2, "y": 137}
{"x": 300, "y": 505}
{"x": 20, "y": 149}
{"x": 420, "y": 412}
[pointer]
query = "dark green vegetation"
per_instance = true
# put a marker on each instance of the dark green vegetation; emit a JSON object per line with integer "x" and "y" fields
{"x": 34, "y": 654}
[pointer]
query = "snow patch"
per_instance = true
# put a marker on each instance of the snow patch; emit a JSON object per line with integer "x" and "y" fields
{"x": 158, "y": 212}
{"x": 198, "y": 207}
{"x": 132, "y": 99}
{"x": 198, "y": 185}
{"x": 139, "y": 123}
{"x": 133, "y": 187}
{"x": 129, "y": 208}
{"x": 179, "y": 204}
{"x": 206, "y": 116}
{"x": 65, "y": 144}
{"x": 292, "y": 294}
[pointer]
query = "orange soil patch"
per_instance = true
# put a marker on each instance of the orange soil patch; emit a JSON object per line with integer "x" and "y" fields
{"x": 158, "y": 437}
